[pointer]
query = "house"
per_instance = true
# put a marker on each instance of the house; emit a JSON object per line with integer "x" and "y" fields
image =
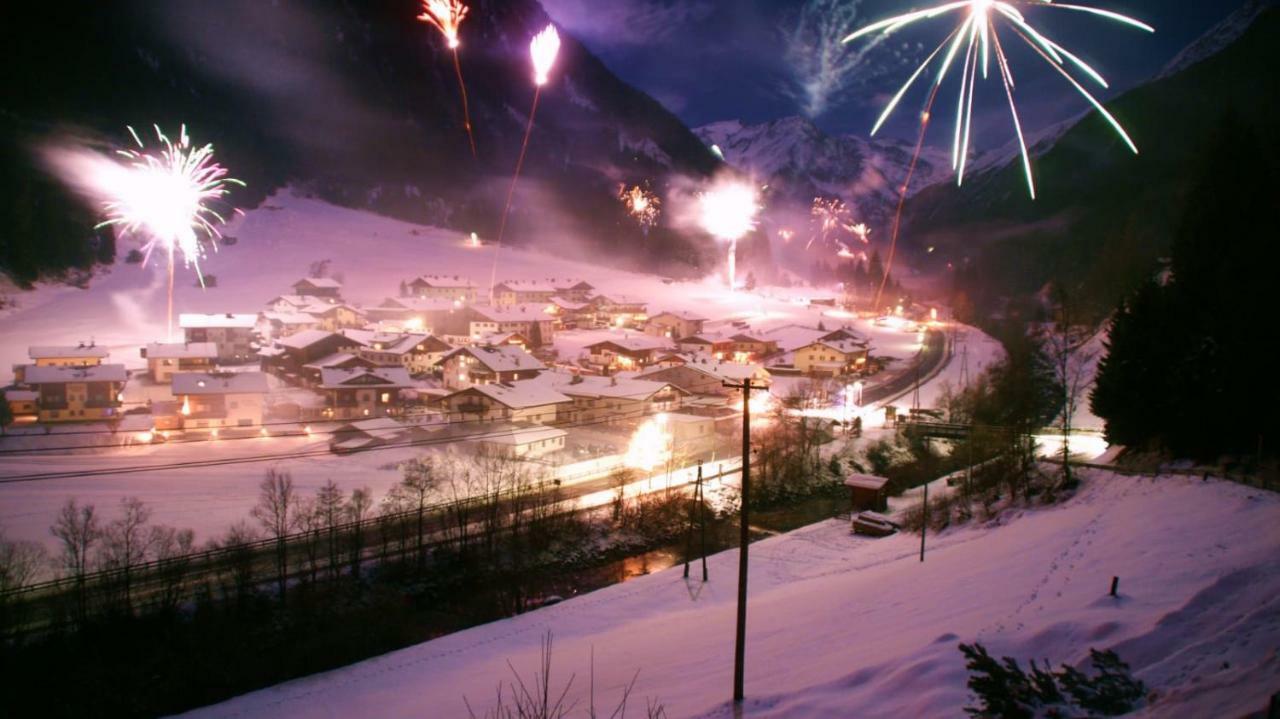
{"x": 369, "y": 433}
{"x": 291, "y": 354}
{"x": 325, "y": 288}
{"x": 691, "y": 435}
{"x": 469, "y": 366}
{"x": 76, "y": 394}
{"x": 522, "y": 441}
{"x": 519, "y": 292}
{"x": 831, "y": 358}
{"x": 217, "y": 400}
{"x": 233, "y": 334}
{"x": 614, "y": 310}
{"x": 440, "y": 287}
{"x": 611, "y": 399}
{"x": 533, "y": 321}
{"x": 362, "y": 392}
{"x": 80, "y": 355}
{"x": 674, "y": 324}
{"x": 867, "y": 492}
{"x": 705, "y": 375}
{"x": 746, "y": 348}
{"x": 626, "y": 353}
{"x": 334, "y": 317}
{"x": 24, "y": 404}
{"x": 311, "y": 371}
{"x": 163, "y": 359}
{"x": 289, "y": 303}
{"x": 284, "y": 324}
{"x": 529, "y": 401}
{"x": 571, "y": 315}
{"x": 417, "y": 353}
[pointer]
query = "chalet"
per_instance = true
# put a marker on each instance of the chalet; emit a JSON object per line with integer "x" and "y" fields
{"x": 369, "y": 433}
{"x": 519, "y": 292}
{"x": 24, "y": 404}
{"x": 691, "y": 434}
{"x": 289, "y": 303}
{"x": 827, "y": 358}
{"x": 81, "y": 355}
{"x": 440, "y": 287}
{"x": 163, "y": 359}
{"x": 533, "y": 321}
{"x": 214, "y": 401}
{"x": 611, "y": 399}
{"x": 793, "y": 337}
{"x": 363, "y": 393}
{"x": 233, "y": 334}
{"x": 417, "y": 353}
{"x": 626, "y": 353}
{"x": 311, "y": 372}
{"x": 528, "y": 401}
{"x": 334, "y": 317}
{"x": 674, "y": 324}
{"x": 569, "y": 314}
{"x": 498, "y": 339}
{"x": 284, "y": 324}
{"x": 700, "y": 344}
{"x": 522, "y": 441}
{"x": 325, "y": 288}
{"x": 746, "y": 348}
{"x": 292, "y": 353}
{"x": 76, "y": 394}
{"x": 615, "y": 310}
{"x": 469, "y": 366}
{"x": 705, "y": 375}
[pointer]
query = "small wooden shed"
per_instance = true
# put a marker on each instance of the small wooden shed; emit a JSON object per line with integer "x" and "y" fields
{"x": 867, "y": 492}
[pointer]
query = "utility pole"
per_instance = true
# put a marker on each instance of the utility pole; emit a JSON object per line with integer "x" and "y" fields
{"x": 744, "y": 541}
{"x": 924, "y": 519}
{"x": 702, "y": 527}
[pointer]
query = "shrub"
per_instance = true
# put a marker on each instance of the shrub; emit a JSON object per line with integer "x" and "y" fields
{"x": 1005, "y": 691}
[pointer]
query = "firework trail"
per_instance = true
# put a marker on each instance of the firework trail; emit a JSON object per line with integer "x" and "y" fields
{"x": 643, "y": 206}
{"x": 831, "y": 217}
{"x": 728, "y": 212}
{"x": 542, "y": 51}
{"x": 447, "y": 16}
{"x": 165, "y": 195}
{"x": 978, "y": 34}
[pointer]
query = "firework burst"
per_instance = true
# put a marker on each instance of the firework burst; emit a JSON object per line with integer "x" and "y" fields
{"x": 831, "y": 218}
{"x": 643, "y": 206}
{"x": 166, "y": 196}
{"x": 979, "y": 36}
{"x": 447, "y": 16}
{"x": 728, "y": 212}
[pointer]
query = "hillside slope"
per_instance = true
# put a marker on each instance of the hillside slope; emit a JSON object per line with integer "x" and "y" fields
{"x": 355, "y": 101}
{"x": 847, "y": 626}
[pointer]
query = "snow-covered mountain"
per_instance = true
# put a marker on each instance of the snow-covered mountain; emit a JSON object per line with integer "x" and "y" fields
{"x": 1217, "y": 38}
{"x": 801, "y": 161}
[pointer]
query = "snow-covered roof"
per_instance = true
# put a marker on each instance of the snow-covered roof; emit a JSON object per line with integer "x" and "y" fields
{"x": 616, "y": 299}
{"x": 21, "y": 395}
{"x": 417, "y": 304}
{"x": 359, "y": 377}
{"x": 294, "y": 300}
{"x": 379, "y": 427}
{"x": 504, "y": 358}
{"x": 443, "y": 281}
{"x": 844, "y": 347}
{"x": 720, "y": 369}
{"x": 548, "y": 285}
{"x": 790, "y": 337}
{"x": 685, "y": 315}
{"x": 569, "y": 305}
{"x": 181, "y": 350}
{"x": 865, "y": 481}
{"x": 290, "y": 318}
{"x": 306, "y": 338}
{"x": 327, "y": 283}
{"x": 203, "y": 383}
{"x": 635, "y": 343}
{"x": 523, "y": 435}
{"x": 595, "y": 386}
{"x": 225, "y": 320}
{"x": 80, "y": 351}
{"x": 514, "y": 313}
{"x": 333, "y": 360}
{"x": 519, "y": 395}
{"x": 32, "y": 374}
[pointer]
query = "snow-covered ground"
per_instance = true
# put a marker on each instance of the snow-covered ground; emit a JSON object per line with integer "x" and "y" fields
{"x": 847, "y": 626}
{"x": 124, "y": 309}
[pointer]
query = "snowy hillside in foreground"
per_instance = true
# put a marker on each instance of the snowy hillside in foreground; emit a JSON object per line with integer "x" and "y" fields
{"x": 847, "y": 626}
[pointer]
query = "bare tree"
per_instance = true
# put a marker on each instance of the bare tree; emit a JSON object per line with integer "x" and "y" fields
{"x": 172, "y": 548}
{"x": 357, "y": 511}
{"x": 126, "y": 541}
{"x": 1071, "y": 360}
{"x": 277, "y": 511}
{"x": 311, "y": 524}
{"x": 330, "y": 509}
{"x": 77, "y": 529}
{"x": 237, "y": 545}
{"x": 420, "y": 482}
{"x": 20, "y": 562}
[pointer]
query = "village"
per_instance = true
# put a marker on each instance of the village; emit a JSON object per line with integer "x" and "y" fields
{"x": 552, "y": 370}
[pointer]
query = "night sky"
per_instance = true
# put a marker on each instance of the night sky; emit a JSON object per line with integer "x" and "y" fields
{"x": 710, "y": 60}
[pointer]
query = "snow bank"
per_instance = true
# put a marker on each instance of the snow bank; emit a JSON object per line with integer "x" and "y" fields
{"x": 847, "y": 626}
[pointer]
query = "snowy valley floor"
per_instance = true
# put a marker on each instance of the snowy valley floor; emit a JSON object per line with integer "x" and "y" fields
{"x": 846, "y": 626}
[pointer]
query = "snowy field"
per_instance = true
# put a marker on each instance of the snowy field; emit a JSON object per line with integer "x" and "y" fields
{"x": 124, "y": 308}
{"x": 847, "y": 626}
